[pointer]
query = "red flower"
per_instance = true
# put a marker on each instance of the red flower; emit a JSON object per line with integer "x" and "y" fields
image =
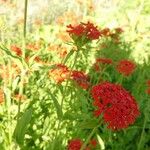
{"x": 84, "y": 29}
{"x": 17, "y": 50}
{"x": 76, "y": 30}
{"x": 80, "y": 78}
{"x": 91, "y": 31}
{"x": 74, "y": 144}
{"x": 117, "y": 105}
{"x": 126, "y": 67}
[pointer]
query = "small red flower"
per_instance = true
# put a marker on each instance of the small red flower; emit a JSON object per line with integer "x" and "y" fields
{"x": 74, "y": 144}
{"x": 117, "y": 105}
{"x": 84, "y": 29}
{"x": 80, "y": 78}
{"x": 76, "y": 30}
{"x": 126, "y": 67}
{"x": 91, "y": 31}
{"x": 17, "y": 50}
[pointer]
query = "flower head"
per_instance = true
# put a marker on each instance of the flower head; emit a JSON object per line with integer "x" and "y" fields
{"x": 91, "y": 31}
{"x": 76, "y": 30}
{"x": 117, "y": 105}
{"x": 126, "y": 67}
{"x": 80, "y": 78}
{"x": 84, "y": 29}
{"x": 74, "y": 144}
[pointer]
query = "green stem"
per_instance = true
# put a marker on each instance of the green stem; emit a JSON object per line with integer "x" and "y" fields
{"x": 22, "y": 68}
{"x": 144, "y": 125}
{"x": 25, "y": 18}
{"x": 142, "y": 135}
{"x": 64, "y": 94}
{"x": 88, "y": 139}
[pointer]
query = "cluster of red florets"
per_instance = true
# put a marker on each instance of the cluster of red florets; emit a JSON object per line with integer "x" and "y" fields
{"x": 80, "y": 78}
{"x": 126, "y": 67}
{"x": 118, "y": 106}
{"x": 91, "y": 32}
{"x": 76, "y": 144}
{"x": 84, "y": 29}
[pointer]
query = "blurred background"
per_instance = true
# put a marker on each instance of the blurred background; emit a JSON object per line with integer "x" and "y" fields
{"x": 47, "y": 15}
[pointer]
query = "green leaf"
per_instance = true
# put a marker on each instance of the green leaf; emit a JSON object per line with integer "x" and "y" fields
{"x": 88, "y": 124}
{"x": 83, "y": 101}
{"x": 57, "y": 106}
{"x": 21, "y": 126}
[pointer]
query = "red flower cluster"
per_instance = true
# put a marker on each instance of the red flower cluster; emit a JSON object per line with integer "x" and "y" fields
{"x": 77, "y": 30}
{"x": 76, "y": 144}
{"x": 84, "y": 29}
{"x": 104, "y": 61}
{"x": 59, "y": 73}
{"x": 80, "y": 78}
{"x": 126, "y": 67}
{"x": 17, "y": 50}
{"x": 117, "y": 105}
